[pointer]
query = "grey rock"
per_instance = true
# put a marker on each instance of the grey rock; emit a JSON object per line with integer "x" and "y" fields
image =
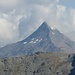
{"x": 44, "y": 39}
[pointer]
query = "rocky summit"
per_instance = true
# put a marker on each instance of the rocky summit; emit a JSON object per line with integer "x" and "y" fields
{"x": 44, "y": 52}
{"x": 44, "y": 39}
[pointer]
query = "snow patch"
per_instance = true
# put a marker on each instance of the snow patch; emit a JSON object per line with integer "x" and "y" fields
{"x": 34, "y": 42}
{"x": 37, "y": 40}
{"x": 31, "y": 42}
{"x": 24, "y": 42}
{"x": 53, "y": 28}
{"x": 40, "y": 40}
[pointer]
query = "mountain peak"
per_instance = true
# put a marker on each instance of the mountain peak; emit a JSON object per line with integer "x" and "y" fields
{"x": 44, "y": 39}
{"x": 42, "y": 31}
{"x": 44, "y": 25}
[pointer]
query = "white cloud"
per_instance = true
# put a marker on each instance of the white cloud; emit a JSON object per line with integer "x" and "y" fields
{"x": 74, "y": 18}
{"x": 8, "y": 3}
{"x": 60, "y": 11}
{"x": 25, "y": 16}
{"x": 7, "y": 31}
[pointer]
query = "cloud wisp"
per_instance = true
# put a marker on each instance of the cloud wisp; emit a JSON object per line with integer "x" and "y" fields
{"x": 19, "y": 18}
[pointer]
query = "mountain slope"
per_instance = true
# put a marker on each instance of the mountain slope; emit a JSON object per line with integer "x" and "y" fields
{"x": 37, "y": 64}
{"x": 38, "y": 41}
{"x": 44, "y": 39}
{"x": 62, "y": 41}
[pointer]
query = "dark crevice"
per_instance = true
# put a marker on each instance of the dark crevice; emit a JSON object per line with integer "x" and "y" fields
{"x": 72, "y": 71}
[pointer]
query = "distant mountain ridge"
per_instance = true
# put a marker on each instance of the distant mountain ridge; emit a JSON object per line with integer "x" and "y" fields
{"x": 44, "y": 39}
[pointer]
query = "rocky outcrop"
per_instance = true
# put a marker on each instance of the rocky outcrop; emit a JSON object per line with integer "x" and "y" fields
{"x": 37, "y": 64}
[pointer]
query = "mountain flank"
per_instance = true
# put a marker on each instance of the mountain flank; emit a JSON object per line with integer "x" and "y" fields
{"x": 44, "y": 39}
{"x": 37, "y": 64}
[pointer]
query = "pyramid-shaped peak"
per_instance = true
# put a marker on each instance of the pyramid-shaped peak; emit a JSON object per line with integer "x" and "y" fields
{"x": 45, "y": 23}
{"x": 44, "y": 26}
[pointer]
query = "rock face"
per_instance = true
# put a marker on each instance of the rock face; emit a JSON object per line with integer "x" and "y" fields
{"x": 37, "y": 64}
{"x": 44, "y": 39}
{"x": 72, "y": 71}
{"x": 39, "y": 41}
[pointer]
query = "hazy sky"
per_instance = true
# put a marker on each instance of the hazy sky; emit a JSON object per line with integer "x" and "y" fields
{"x": 19, "y": 18}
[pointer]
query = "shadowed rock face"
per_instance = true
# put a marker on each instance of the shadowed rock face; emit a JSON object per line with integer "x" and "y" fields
{"x": 39, "y": 41}
{"x": 72, "y": 71}
{"x": 44, "y": 39}
{"x": 37, "y": 64}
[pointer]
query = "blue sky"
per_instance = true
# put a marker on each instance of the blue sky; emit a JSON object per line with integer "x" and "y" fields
{"x": 68, "y": 3}
{"x": 19, "y": 18}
